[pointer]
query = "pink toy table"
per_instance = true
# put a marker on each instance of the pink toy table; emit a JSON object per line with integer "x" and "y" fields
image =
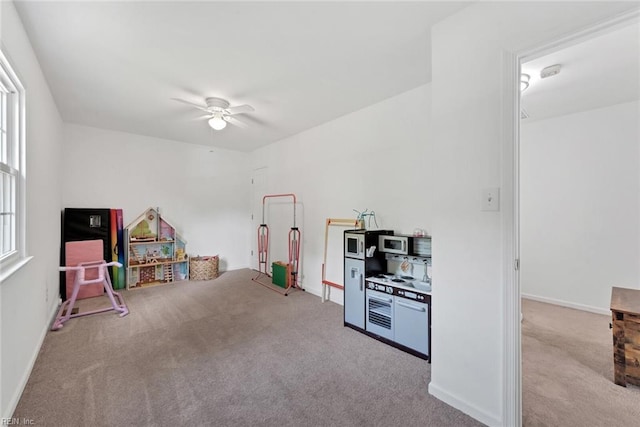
{"x": 88, "y": 274}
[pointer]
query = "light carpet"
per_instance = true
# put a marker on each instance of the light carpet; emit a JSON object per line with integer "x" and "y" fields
{"x": 226, "y": 352}
{"x": 567, "y": 370}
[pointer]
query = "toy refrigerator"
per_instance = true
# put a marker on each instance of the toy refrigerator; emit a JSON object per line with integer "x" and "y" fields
{"x": 93, "y": 224}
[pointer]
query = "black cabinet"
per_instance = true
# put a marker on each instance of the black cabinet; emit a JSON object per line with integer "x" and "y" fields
{"x": 95, "y": 224}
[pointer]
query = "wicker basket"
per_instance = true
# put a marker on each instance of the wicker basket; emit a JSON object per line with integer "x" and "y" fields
{"x": 203, "y": 268}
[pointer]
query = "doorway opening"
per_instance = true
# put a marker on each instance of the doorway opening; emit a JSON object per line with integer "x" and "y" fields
{"x": 576, "y": 206}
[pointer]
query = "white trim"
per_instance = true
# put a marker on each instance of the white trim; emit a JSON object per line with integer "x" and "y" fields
{"x": 13, "y": 402}
{"x": 511, "y": 327}
{"x": 21, "y": 184}
{"x": 511, "y": 120}
{"x": 568, "y": 304}
{"x": 8, "y": 270}
{"x": 19, "y": 98}
{"x": 463, "y": 406}
{"x": 332, "y": 298}
{"x": 580, "y": 36}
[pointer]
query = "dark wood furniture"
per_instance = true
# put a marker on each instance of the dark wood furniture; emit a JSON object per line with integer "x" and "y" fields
{"x": 625, "y": 313}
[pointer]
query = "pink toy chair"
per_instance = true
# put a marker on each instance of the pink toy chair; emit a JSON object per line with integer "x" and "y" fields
{"x": 87, "y": 273}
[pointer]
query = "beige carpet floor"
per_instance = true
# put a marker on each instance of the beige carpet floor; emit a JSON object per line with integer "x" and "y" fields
{"x": 226, "y": 352}
{"x": 567, "y": 370}
{"x": 229, "y": 352}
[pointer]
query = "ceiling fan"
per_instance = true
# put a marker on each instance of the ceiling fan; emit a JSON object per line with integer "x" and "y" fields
{"x": 219, "y": 112}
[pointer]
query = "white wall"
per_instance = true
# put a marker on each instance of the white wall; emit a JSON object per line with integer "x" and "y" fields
{"x": 469, "y": 367}
{"x": 29, "y": 297}
{"x": 440, "y": 164}
{"x": 580, "y": 206}
{"x": 203, "y": 192}
{"x": 375, "y": 158}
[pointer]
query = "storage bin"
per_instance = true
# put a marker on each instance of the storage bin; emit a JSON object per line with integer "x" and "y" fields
{"x": 281, "y": 273}
{"x": 203, "y": 268}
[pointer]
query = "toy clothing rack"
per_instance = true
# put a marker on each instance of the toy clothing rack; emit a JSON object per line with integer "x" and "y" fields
{"x": 263, "y": 248}
{"x": 326, "y": 284}
{"x": 83, "y": 271}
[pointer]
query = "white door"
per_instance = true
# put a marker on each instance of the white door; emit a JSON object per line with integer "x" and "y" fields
{"x": 354, "y": 303}
{"x": 258, "y": 190}
{"x": 411, "y": 328}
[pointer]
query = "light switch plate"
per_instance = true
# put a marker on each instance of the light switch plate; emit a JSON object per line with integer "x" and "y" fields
{"x": 491, "y": 199}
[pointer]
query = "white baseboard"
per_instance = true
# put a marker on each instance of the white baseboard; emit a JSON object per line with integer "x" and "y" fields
{"x": 13, "y": 403}
{"x": 233, "y": 268}
{"x": 332, "y": 297}
{"x": 567, "y": 304}
{"x": 313, "y": 291}
{"x": 463, "y": 406}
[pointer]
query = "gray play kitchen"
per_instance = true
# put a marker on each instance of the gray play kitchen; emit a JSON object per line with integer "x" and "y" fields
{"x": 387, "y": 288}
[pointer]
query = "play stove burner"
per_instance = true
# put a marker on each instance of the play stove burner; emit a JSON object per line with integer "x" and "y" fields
{"x": 407, "y": 277}
{"x": 397, "y": 280}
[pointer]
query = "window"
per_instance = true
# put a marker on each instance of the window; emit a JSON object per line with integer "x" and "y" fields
{"x": 12, "y": 169}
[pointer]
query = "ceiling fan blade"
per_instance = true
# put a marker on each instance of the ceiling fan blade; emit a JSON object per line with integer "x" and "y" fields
{"x": 240, "y": 109}
{"x": 234, "y": 121}
{"x": 199, "y": 107}
{"x": 204, "y": 116}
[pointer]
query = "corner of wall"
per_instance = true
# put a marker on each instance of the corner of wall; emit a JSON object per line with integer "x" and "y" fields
{"x": 464, "y": 406}
{"x": 9, "y": 409}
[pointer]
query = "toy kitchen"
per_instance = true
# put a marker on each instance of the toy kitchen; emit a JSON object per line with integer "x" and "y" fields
{"x": 387, "y": 288}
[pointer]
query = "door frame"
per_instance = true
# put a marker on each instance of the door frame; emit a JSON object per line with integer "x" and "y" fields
{"x": 510, "y": 153}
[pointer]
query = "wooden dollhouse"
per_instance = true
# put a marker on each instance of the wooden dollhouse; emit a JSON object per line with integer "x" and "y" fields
{"x": 156, "y": 253}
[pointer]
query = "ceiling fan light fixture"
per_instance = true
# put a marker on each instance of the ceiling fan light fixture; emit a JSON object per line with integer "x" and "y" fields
{"x": 524, "y": 81}
{"x": 219, "y": 112}
{"x": 217, "y": 122}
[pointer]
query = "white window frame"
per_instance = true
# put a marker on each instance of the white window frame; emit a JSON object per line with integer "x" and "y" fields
{"x": 15, "y": 165}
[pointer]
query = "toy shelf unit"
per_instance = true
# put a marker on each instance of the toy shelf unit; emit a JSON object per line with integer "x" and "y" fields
{"x": 156, "y": 254}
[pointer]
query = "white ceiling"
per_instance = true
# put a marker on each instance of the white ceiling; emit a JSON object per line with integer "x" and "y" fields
{"x": 116, "y": 65}
{"x": 598, "y": 72}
